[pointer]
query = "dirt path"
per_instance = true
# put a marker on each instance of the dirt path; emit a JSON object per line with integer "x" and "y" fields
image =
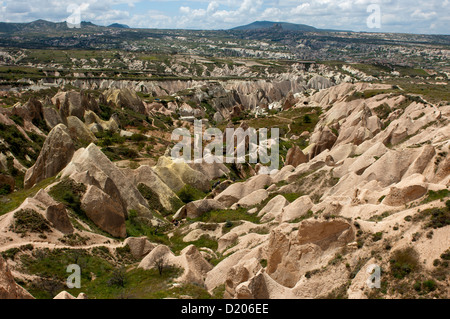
{"x": 55, "y": 246}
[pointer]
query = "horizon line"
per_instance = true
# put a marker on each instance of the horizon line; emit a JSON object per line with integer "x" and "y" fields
{"x": 231, "y": 29}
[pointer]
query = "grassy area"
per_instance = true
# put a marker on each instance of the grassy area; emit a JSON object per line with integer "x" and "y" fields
{"x": 152, "y": 198}
{"x": 51, "y": 266}
{"x": 222, "y": 216}
{"x": 432, "y": 92}
{"x": 13, "y": 200}
{"x": 177, "y": 244}
{"x": 439, "y": 195}
{"x": 435, "y": 217}
{"x": 140, "y": 284}
{"x": 189, "y": 194}
{"x": 29, "y": 221}
{"x": 70, "y": 193}
{"x": 137, "y": 226}
{"x": 102, "y": 277}
{"x": 19, "y": 145}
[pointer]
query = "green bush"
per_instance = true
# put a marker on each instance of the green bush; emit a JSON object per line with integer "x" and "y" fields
{"x": 189, "y": 194}
{"x": 27, "y": 220}
{"x": 5, "y": 190}
{"x": 10, "y": 253}
{"x": 438, "y": 217}
{"x": 138, "y": 138}
{"x": 307, "y": 119}
{"x": 69, "y": 193}
{"x": 19, "y": 145}
{"x": 446, "y": 255}
{"x": 138, "y": 226}
{"x": 382, "y": 111}
{"x": 17, "y": 119}
{"x": 377, "y": 236}
{"x": 152, "y": 198}
{"x": 117, "y": 278}
{"x": 290, "y": 197}
{"x": 119, "y": 153}
{"x": 426, "y": 286}
{"x": 404, "y": 262}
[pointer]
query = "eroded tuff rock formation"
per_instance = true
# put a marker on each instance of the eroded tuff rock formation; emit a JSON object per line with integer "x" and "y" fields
{"x": 371, "y": 180}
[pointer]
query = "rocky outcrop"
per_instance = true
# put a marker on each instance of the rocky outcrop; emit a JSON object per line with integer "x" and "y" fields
{"x": 162, "y": 193}
{"x": 273, "y": 208}
{"x": 125, "y": 98}
{"x": 139, "y": 246}
{"x": 30, "y": 111}
{"x": 51, "y": 117}
{"x": 104, "y": 211}
{"x": 253, "y": 198}
{"x": 321, "y": 140}
{"x": 296, "y": 209}
{"x": 295, "y": 156}
{"x": 407, "y": 190}
{"x": 91, "y": 167}
{"x": 190, "y": 260}
{"x": 262, "y": 286}
{"x": 211, "y": 170}
{"x": 56, "y": 152}
{"x": 236, "y": 191}
{"x": 318, "y": 82}
{"x": 8, "y": 287}
{"x": 57, "y": 215}
{"x": 197, "y": 208}
{"x": 240, "y": 273}
{"x": 291, "y": 253}
{"x": 66, "y": 295}
{"x": 74, "y": 103}
{"x": 78, "y": 130}
{"x": 395, "y": 164}
{"x": 96, "y": 124}
{"x": 176, "y": 174}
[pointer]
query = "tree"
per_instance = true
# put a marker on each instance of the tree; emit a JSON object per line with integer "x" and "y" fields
{"x": 160, "y": 264}
{"x": 117, "y": 278}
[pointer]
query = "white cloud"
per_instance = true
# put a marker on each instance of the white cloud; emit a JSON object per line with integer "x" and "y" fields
{"x": 423, "y": 15}
{"x": 212, "y": 6}
{"x": 397, "y": 15}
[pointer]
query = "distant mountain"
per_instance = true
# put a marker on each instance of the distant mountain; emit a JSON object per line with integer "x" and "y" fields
{"x": 269, "y": 24}
{"x": 118, "y": 25}
{"x": 286, "y": 26}
{"x": 38, "y": 25}
{"x": 43, "y": 25}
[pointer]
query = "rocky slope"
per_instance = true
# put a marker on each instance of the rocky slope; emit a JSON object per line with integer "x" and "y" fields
{"x": 369, "y": 186}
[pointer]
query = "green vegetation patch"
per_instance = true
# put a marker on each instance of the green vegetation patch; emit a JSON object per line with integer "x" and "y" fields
{"x": 152, "y": 198}
{"x": 439, "y": 195}
{"x": 177, "y": 244}
{"x": 382, "y": 111}
{"x": 51, "y": 266}
{"x": 27, "y": 220}
{"x": 12, "y": 201}
{"x": 69, "y": 192}
{"x": 189, "y": 194}
{"x": 435, "y": 217}
{"x": 137, "y": 226}
{"x": 19, "y": 145}
{"x": 404, "y": 262}
{"x": 222, "y": 216}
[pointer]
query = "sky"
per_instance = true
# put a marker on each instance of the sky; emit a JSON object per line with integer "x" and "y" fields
{"x": 406, "y": 16}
